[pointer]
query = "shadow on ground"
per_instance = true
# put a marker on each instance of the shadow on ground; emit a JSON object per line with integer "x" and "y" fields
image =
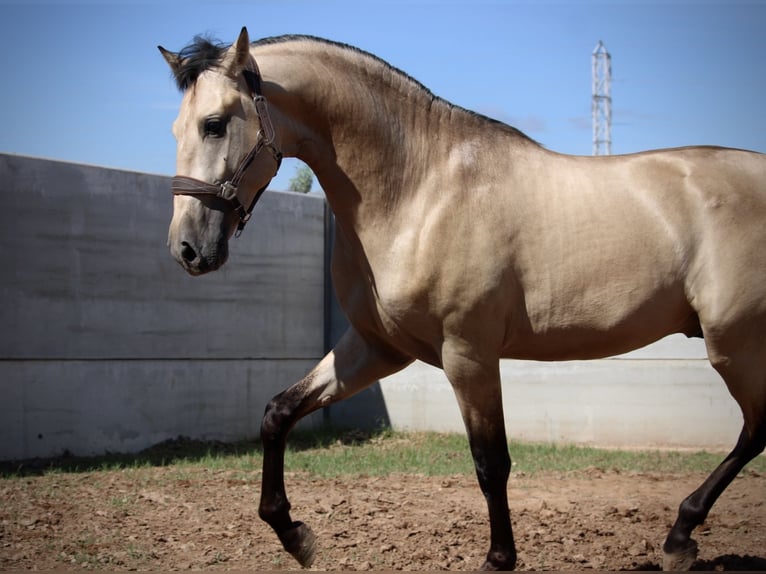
{"x": 184, "y": 449}
{"x": 726, "y": 563}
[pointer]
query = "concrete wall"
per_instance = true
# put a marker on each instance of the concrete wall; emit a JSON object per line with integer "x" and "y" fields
{"x": 665, "y": 395}
{"x": 106, "y": 344}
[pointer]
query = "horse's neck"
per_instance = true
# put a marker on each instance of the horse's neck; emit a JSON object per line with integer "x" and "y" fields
{"x": 357, "y": 124}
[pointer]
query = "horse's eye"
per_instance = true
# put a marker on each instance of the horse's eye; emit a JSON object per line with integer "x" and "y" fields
{"x": 214, "y": 127}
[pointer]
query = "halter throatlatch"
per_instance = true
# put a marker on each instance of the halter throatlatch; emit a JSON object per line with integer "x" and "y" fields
{"x": 228, "y": 191}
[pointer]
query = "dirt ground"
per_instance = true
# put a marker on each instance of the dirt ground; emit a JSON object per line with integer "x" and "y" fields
{"x": 171, "y": 518}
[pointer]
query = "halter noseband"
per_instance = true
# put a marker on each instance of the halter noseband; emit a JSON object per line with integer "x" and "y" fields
{"x": 228, "y": 190}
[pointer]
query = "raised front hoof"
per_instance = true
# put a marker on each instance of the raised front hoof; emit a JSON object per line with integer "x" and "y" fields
{"x": 300, "y": 541}
{"x": 680, "y": 560}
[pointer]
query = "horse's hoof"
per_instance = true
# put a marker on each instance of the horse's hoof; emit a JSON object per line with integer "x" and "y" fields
{"x": 490, "y": 567}
{"x": 681, "y": 560}
{"x": 300, "y": 541}
{"x": 499, "y": 561}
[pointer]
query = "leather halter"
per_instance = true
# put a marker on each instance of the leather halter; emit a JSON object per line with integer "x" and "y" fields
{"x": 228, "y": 191}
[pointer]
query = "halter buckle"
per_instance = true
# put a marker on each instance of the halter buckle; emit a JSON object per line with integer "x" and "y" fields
{"x": 228, "y": 191}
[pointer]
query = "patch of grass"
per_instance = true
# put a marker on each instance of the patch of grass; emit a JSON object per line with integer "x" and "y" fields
{"x": 566, "y": 458}
{"x": 330, "y": 452}
{"x": 385, "y": 453}
{"x": 446, "y": 454}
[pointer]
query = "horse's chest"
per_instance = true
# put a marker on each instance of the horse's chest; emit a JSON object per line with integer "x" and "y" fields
{"x": 389, "y": 303}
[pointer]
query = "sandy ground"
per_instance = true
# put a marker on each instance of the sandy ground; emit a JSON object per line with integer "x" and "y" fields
{"x": 170, "y": 518}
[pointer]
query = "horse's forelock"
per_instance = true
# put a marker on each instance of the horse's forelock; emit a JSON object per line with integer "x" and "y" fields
{"x": 202, "y": 54}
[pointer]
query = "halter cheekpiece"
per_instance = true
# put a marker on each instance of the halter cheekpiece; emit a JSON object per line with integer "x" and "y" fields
{"x": 228, "y": 190}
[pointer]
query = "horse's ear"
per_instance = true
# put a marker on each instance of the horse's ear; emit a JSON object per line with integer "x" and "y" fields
{"x": 238, "y": 55}
{"x": 173, "y": 60}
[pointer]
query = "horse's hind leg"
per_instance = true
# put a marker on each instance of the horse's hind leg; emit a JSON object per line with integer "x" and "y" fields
{"x": 747, "y": 382}
{"x": 353, "y": 365}
{"x": 680, "y": 550}
{"x": 478, "y": 391}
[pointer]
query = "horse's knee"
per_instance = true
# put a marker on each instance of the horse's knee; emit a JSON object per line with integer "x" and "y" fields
{"x": 276, "y": 418}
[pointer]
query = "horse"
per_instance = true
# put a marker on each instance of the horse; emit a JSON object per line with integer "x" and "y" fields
{"x": 461, "y": 241}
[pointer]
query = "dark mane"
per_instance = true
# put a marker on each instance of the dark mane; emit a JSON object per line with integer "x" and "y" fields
{"x": 202, "y": 54}
{"x": 348, "y": 47}
{"x": 397, "y": 72}
{"x": 205, "y": 53}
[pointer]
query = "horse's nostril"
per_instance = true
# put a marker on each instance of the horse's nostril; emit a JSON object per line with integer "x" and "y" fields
{"x": 187, "y": 252}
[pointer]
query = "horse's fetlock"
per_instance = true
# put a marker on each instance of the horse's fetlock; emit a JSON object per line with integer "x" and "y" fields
{"x": 692, "y": 512}
{"x": 273, "y": 512}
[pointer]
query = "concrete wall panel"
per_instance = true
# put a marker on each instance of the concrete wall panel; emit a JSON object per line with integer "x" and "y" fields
{"x": 88, "y": 273}
{"x": 611, "y": 402}
{"x": 106, "y": 344}
{"x": 92, "y": 407}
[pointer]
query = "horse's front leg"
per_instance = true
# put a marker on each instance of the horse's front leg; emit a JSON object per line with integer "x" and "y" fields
{"x": 351, "y": 366}
{"x": 477, "y": 387}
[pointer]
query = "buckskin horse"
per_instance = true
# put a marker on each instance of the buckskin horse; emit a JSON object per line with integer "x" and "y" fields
{"x": 461, "y": 241}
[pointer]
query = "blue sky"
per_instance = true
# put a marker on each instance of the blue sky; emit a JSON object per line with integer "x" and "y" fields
{"x": 84, "y": 81}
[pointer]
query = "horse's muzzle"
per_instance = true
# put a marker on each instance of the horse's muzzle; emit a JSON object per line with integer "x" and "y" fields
{"x": 197, "y": 260}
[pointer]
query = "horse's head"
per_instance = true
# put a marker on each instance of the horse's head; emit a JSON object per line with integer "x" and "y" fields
{"x": 226, "y": 150}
